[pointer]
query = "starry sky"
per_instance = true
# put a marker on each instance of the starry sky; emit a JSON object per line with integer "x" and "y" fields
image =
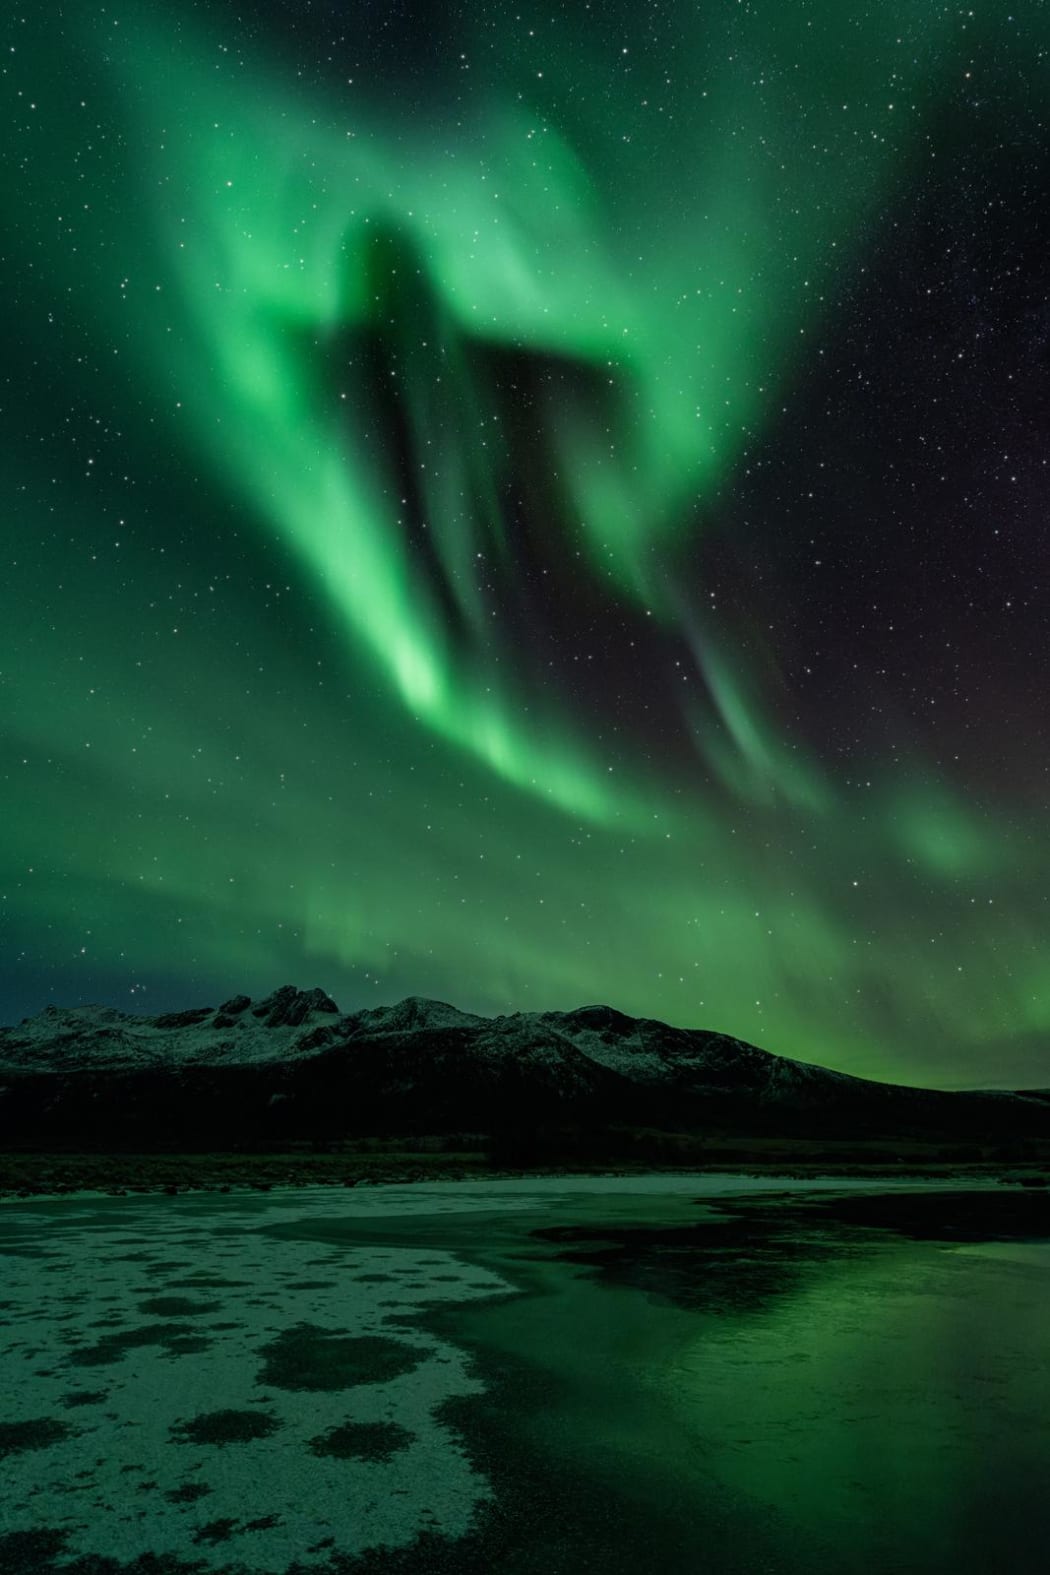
{"x": 533, "y": 505}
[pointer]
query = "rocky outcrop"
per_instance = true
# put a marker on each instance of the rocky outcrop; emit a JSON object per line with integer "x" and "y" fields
{"x": 288, "y": 1007}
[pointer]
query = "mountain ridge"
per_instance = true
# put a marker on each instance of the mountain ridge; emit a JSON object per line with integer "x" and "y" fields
{"x": 291, "y": 1065}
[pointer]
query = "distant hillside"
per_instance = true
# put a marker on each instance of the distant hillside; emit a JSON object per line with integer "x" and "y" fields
{"x": 292, "y": 1067}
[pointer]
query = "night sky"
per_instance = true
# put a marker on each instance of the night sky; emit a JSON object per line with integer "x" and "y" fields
{"x": 533, "y": 505}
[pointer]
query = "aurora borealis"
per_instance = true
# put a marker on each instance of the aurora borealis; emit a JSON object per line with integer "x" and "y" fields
{"x": 531, "y": 508}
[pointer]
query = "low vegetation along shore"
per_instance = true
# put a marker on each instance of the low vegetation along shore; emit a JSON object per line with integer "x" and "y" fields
{"x": 34, "y": 1174}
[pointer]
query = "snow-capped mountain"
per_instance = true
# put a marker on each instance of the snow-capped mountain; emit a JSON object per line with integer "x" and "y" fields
{"x": 292, "y": 1065}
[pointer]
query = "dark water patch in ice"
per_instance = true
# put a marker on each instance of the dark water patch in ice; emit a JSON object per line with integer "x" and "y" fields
{"x": 188, "y": 1493}
{"x": 731, "y": 1265}
{"x": 84, "y": 1397}
{"x": 307, "y": 1357}
{"x": 206, "y": 1282}
{"x": 177, "y": 1307}
{"x": 173, "y": 1337}
{"x": 225, "y": 1427}
{"x": 216, "y": 1531}
{"x": 264, "y": 1523}
{"x": 39, "y": 1433}
{"x": 362, "y": 1441}
{"x": 951, "y": 1216}
{"x": 31, "y": 1552}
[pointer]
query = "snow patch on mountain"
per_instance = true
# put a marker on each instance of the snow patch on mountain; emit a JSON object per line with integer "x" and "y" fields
{"x": 66, "y": 1039}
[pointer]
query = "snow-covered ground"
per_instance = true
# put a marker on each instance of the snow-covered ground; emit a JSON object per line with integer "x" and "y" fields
{"x": 178, "y": 1382}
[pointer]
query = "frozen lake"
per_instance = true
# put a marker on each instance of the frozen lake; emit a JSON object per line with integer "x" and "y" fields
{"x": 670, "y": 1373}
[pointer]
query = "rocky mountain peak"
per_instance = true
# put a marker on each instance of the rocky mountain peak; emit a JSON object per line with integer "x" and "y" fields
{"x": 287, "y": 1007}
{"x": 414, "y": 1013}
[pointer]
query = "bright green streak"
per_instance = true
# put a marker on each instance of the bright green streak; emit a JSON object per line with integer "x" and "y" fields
{"x": 378, "y": 802}
{"x": 274, "y": 234}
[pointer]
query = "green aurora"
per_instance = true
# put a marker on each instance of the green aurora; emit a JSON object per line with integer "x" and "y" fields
{"x": 367, "y": 436}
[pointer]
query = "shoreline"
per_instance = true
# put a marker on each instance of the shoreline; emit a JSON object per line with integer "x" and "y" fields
{"x": 25, "y": 1176}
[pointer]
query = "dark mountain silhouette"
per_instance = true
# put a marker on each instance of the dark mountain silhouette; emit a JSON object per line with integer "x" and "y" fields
{"x": 292, "y": 1067}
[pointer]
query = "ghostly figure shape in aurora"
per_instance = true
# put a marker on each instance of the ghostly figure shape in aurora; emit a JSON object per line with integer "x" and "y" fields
{"x": 449, "y": 390}
{"x": 465, "y": 446}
